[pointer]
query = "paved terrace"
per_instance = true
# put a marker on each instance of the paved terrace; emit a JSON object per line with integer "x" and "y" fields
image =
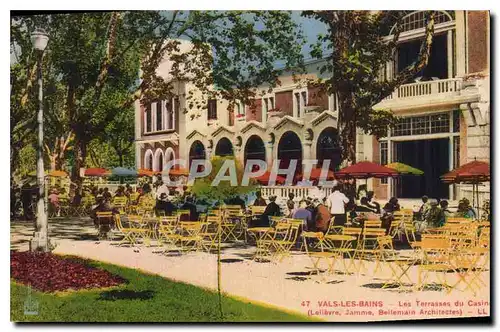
{"x": 287, "y": 285}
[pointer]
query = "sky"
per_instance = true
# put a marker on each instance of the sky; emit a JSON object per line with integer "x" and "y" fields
{"x": 311, "y": 29}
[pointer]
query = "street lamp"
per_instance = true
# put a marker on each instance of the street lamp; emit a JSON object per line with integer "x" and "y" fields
{"x": 40, "y": 241}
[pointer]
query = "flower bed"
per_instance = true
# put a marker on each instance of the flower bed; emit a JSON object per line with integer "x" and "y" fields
{"x": 49, "y": 273}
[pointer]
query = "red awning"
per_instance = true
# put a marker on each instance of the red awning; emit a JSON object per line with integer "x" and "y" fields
{"x": 179, "y": 171}
{"x": 475, "y": 171}
{"x": 316, "y": 173}
{"x": 365, "y": 170}
{"x": 264, "y": 178}
{"x": 146, "y": 172}
{"x": 96, "y": 172}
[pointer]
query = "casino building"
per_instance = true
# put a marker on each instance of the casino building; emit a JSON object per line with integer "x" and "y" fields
{"x": 445, "y": 111}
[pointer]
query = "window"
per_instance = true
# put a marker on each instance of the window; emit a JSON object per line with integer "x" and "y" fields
{"x": 332, "y": 102}
{"x": 416, "y": 20}
{"x": 267, "y": 104}
{"x": 383, "y": 157}
{"x": 148, "y": 120}
{"x": 456, "y": 121}
{"x": 402, "y": 128}
{"x": 440, "y": 123}
{"x": 240, "y": 108}
{"x": 169, "y": 114}
{"x": 159, "y": 116}
{"x": 212, "y": 109}
{"x": 421, "y": 125}
{"x": 456, "y": 151}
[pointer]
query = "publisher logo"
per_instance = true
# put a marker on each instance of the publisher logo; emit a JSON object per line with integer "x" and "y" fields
{"x": 30, "y": 304}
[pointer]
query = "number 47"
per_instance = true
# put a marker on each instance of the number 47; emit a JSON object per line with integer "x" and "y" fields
{"x": 305, "y": 303}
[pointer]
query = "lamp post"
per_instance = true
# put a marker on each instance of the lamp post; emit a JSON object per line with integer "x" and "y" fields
{"x": 40, "y": 241}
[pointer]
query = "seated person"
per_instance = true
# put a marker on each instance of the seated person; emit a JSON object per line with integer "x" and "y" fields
{"x": 189, "y": 205}
{"x": 465, "y": 210}
{"x": 421, "y": 214}
{"x": 237, "y": 201}
{"x": 259, "y": 201}
{"x": 433, "y": 216}
{"x": 164, "y": 205}
{"x": 368, "y": 202}
{"x": 323, "y": 216}
{"x": 445, "y": 213}
{"x": 389, "y": 209}
{"x": 303, "y": 213}
{"x": 104, "y": 205}
{"x": 54, "y": 201}
{"x": 290, "y": 204}
{"x": 272, "y": 210}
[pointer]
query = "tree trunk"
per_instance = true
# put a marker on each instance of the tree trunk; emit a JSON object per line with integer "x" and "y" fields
{"x": 347, "y": 128}
{"x": 80, "y": 155}
{"x": 219, "y": 272}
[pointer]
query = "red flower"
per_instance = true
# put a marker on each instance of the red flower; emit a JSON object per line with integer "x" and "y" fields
{"x": 47, "y": 272}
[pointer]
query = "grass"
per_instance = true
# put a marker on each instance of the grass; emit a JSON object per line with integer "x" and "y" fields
{"x": 146, "y": 298}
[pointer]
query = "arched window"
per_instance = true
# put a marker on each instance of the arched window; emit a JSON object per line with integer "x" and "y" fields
{"x": 290, "y": 148}
{"x": 148, "y": 160}
{"x": 224, "y": 147}
{"x": 416, "y": 20}
{"x": 328, "y": 148}
{"x": 197, "y": 151}
{"x": 158, "y": 160}
{"x": 255, "y": 149}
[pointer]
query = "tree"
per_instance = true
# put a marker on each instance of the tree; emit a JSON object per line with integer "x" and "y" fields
{"x": 223, "y": 191}
{"x": 357, "y": 48}
{"x": 95, "y": 59}
{"x": 119, "y": 133}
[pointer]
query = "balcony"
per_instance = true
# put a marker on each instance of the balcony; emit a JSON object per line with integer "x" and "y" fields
{"x": 423, "y": 94}
{"x": 439, "y": 87}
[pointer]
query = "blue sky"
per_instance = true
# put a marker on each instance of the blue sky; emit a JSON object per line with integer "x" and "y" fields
{"x": 311, "y": 29}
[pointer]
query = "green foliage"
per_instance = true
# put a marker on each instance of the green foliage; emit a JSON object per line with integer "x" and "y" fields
{"x": 102, "y": 154}
{"x": 27, "y": 161}
{"x": 203, "y": 188}
{"x": 357, "y": 48}
{"x": 92, "y": 63}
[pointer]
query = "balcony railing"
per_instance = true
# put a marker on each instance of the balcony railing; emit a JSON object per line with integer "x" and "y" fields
{"x": 428, "y": 88}
{"x": 300, "y": 192}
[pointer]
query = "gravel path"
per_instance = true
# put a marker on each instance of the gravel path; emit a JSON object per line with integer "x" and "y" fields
{"x": 287, "y": 285}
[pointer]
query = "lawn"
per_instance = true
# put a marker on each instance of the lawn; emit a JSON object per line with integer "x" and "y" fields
{"x": 146, "y": 298}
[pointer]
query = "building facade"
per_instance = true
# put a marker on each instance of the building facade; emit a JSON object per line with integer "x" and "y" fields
{"x": 445, "y": 115}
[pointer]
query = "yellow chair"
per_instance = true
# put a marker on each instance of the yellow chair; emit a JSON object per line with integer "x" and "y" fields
{"x": 130, "y": 231}
{"x": 209, "y": 232}
{"x": 312, "y": 242}
{"x": 167, "y": 231}
{"x": 372, "y": 224}
{"x": 282, "y": 248}
{"x": 190, "y": 238}
{"x": 257, "y": 210}
{"x": 435, "y": 251}
{"x": 368, "y": 248}
{"x": 399, "y": 266}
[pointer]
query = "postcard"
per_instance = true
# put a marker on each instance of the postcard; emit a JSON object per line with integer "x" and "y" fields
{"x": 250, "y": 166}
